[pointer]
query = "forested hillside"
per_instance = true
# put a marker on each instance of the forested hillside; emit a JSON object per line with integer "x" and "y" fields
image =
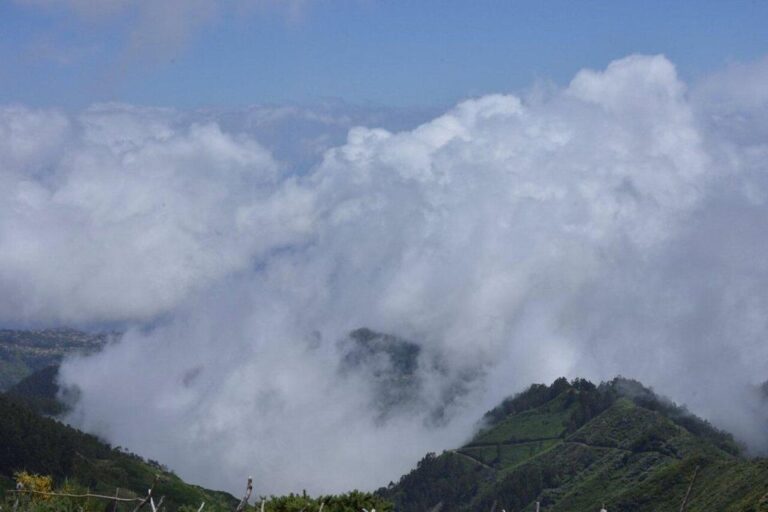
{"x": 576, "y": 446}
{"x": 40, "y": 392}
{"x": 37, "y": 444}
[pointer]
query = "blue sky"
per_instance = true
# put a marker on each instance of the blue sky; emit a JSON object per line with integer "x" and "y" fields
{"x": 68, "y": 53}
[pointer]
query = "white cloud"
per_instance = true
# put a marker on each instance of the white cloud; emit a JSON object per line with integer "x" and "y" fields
{"x": 129, "y": 215}
{"x": 610, "y": 227}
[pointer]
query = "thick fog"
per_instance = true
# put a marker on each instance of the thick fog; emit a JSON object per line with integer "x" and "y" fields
{"x": 617, "y": 225}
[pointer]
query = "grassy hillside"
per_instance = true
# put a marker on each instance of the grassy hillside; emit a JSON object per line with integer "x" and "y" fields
{"x": 37, "y": 444}
{"x": 574, "y": 446}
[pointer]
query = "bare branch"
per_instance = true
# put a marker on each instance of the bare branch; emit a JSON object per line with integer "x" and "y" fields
{"x": 248, "y": 491}
{"x": 149, "y": 495}
{"x": 155, "y": 508}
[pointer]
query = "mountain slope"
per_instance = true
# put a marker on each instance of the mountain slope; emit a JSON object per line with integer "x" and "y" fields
{"x": 33, "y": 443}
{"x": 574, "y": 446}
{"x": 40, "y": 391}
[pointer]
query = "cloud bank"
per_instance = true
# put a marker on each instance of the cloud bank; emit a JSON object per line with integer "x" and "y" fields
{"x": 615, "y": 225}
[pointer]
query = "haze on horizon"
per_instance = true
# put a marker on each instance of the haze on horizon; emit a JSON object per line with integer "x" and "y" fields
{"x": 525, "y": 191}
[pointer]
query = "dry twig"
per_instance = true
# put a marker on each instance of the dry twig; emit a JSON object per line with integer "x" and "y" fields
{"x": 149, "y": 495}
{"x": 248, "y": 491}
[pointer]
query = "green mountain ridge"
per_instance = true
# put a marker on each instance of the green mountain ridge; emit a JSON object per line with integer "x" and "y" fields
{"x": 573, "y": 446}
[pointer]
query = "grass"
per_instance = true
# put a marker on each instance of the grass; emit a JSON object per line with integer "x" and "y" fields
{"x": 508, "y": 455}
{"x": 103, "y": 475}
{"x": 546, "y": 422}
{"x": 512, "y": 455}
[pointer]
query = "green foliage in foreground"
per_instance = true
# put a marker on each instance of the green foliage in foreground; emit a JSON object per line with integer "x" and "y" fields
{"x": 353, "y": 501}
{"x": 574, "y": 446}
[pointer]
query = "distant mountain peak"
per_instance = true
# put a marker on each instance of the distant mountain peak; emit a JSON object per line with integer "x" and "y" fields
{"x": 390, "y": 364}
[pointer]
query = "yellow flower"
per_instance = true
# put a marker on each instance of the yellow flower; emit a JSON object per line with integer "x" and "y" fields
{"x": 34, "y": 482}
